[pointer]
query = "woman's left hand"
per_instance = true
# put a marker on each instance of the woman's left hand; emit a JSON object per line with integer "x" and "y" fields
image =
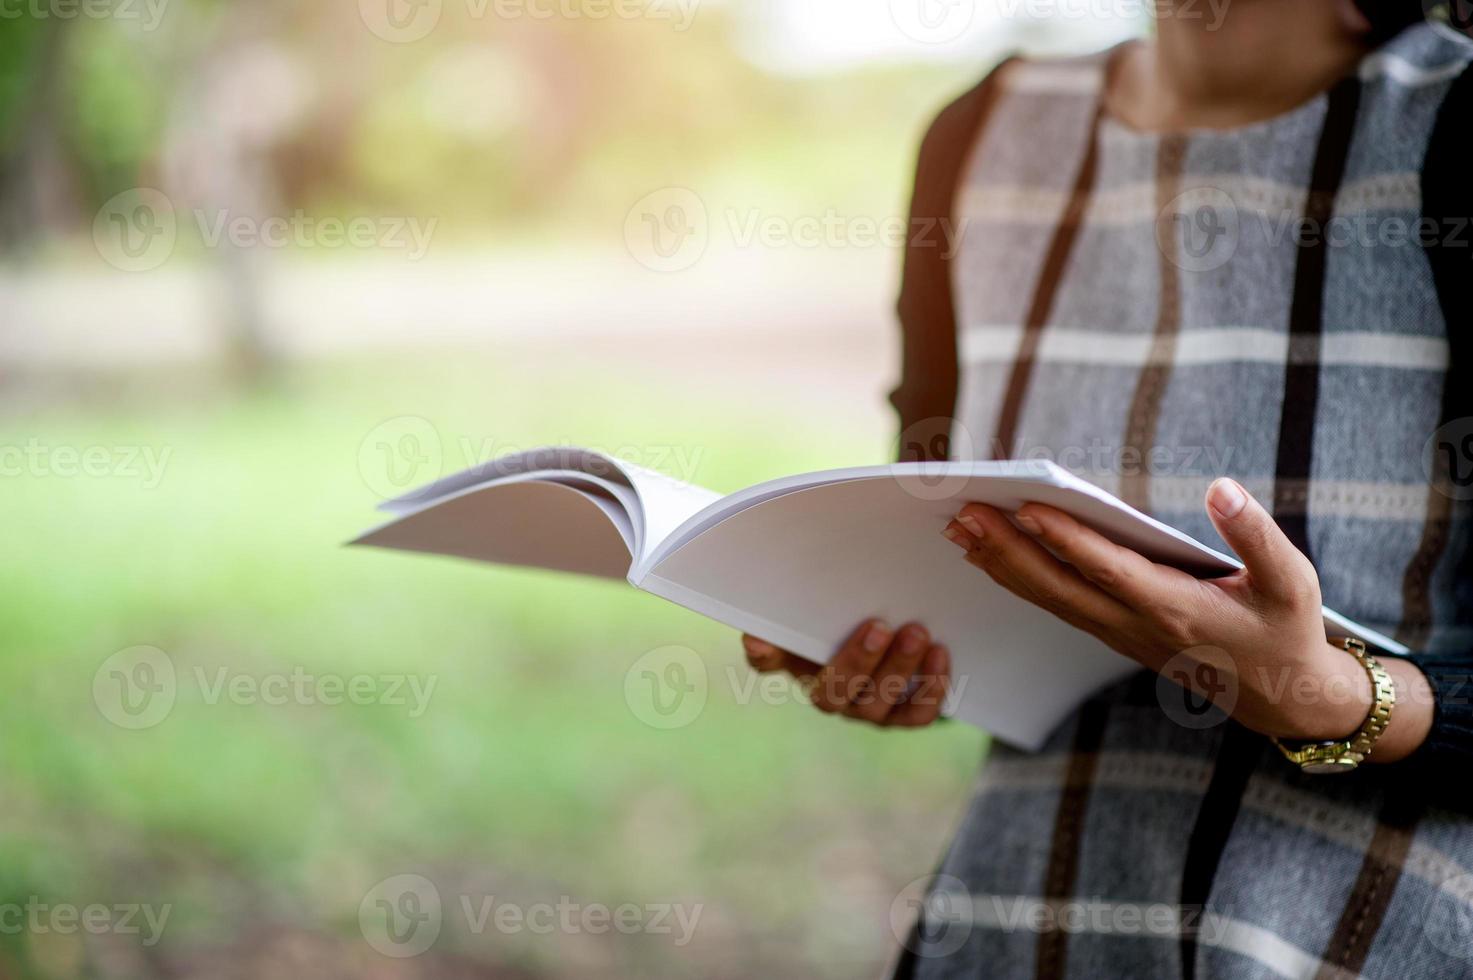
{"x": 1261, "y": 624}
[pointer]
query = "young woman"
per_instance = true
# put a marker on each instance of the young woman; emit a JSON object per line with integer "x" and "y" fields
{"x": 1230, "y": 261}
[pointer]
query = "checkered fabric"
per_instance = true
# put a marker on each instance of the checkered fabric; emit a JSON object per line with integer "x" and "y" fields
{"x": 1153, "y": 311}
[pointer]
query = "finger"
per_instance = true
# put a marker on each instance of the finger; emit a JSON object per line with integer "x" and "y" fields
{"x": 856, "y": 658}
{"x": 1129, "y": 576}
{"x": 766, "y": 658}
{"x": 959, "y": 536}
{"x": 1004, "y": 577}
{"x": 925, "y": 702}
{"x": 891, "y": 677}
{"x": 1054, "y": 585}
{"x": 1274, "y": 565}
{"x": 762, "y": 656}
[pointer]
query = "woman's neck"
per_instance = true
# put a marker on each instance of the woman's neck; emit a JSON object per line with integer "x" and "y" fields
{"x": 1258, "y": 59}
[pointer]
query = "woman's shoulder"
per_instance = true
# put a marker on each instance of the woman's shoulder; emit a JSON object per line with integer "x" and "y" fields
{"x": 1078, "y": 75}
{"x": 1425, "y": 47}
{"x": 1418, "y": 67}
{"x": 1415, "y": 94}
{"x": 1057, "y": 83}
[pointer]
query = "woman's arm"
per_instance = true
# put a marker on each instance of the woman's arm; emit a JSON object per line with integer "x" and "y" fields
{"x": 1447, "y": 748}
{"x": 925, "y": 399}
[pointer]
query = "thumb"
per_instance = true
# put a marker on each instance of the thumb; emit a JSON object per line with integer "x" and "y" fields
{"x": 1274, "y": 564}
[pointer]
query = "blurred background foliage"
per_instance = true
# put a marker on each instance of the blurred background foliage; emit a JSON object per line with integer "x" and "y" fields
{"x": 256, "y": 376}
{"x": 526, "y": 125}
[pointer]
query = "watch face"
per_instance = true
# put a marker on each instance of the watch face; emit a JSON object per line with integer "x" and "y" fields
{"x": 1329, "y": 766}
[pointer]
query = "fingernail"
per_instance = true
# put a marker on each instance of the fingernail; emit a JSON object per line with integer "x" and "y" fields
{"x": 1227, "y": 497}
{"x": 877, "y": 638}
{"x": 1028, "y": 523}
{"x": 956, "y": 537}
{"x": 758, "y": 648}
{"x": 911, "y": 641}
{"x": 972, "y": 525}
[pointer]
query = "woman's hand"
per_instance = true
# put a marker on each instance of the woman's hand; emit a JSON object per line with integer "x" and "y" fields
{"x": 893, "y": 679}
{"x": 1262, "y": 624}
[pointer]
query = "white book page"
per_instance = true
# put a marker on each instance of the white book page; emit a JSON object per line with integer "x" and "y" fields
{"x": 801, "y": 567}
{"x": 653, "y": 504}
{"x": 521, "y": 520}
{"x": 666, "y": 503}
{"x": 473, "y": 513}
{"x": 546, "y": 460}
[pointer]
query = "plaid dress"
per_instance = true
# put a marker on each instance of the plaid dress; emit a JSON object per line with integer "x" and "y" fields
{"x": 1153, "y": 311}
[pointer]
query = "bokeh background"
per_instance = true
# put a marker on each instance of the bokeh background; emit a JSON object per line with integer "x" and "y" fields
{"x": 264, "y": 263}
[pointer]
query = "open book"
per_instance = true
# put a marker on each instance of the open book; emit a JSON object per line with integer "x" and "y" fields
{"x": 802, "y": 560}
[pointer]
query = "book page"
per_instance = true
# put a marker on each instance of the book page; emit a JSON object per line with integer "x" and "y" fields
{"x": 666, "y": 503}
{"x": 802, "y": 568}
{"x": 537, "y": 523}
{"x": 545, "y": 460}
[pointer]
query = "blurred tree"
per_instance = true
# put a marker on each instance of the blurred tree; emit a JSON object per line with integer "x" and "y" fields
{"x": 36, "y": 174}
{"x": 246, "y": 97}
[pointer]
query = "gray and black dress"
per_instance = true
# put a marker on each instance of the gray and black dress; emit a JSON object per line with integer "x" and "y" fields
{"x": 1287, "y": 303}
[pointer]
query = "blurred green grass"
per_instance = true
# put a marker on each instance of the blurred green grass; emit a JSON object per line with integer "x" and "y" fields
{"x": 527, "y": 776}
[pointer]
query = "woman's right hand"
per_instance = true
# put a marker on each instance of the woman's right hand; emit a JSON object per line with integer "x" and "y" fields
{"x": 892, "y": 679}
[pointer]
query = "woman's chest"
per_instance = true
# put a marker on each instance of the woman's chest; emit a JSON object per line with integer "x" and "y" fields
{"x": 1154, "y": 314}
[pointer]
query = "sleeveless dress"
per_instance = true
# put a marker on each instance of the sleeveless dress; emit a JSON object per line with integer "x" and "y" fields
{"x": 1151, "y": 312}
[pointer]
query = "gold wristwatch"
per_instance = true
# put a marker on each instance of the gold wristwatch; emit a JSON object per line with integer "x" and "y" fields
{"x": 1346, "y": 754}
